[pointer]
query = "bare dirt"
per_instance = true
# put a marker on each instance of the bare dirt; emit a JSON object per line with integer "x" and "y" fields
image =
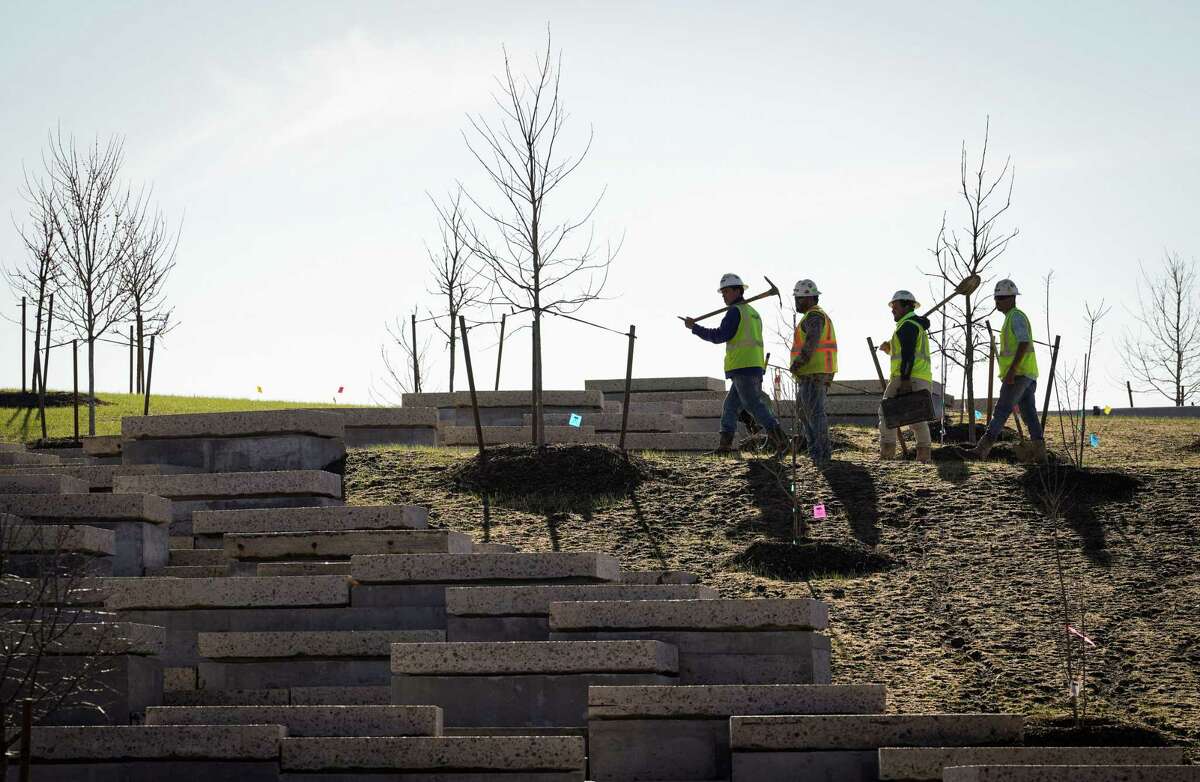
{"x": 962, "y": 608}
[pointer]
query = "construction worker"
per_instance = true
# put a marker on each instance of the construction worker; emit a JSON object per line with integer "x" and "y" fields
{"x": 814, "y": 362}
{"x": 911, "y": 370}
{"x": 1018, "y": 376}
{"x": 745, "y": 362}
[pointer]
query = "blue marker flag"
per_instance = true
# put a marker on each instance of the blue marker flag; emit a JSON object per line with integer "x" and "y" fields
{"x": 575, "y": 420}
{"x": 1094, "y": 440}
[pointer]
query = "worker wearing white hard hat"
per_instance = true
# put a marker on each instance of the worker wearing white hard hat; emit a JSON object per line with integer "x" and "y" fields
{"x": 911, "y": 370}
{"x": 1018, "y": 376}
{"x": 813, "y": 364}
{"x": 741, "y": 332}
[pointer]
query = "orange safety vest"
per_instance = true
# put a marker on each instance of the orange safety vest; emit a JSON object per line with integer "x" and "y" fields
{"x": 824, "y": 356}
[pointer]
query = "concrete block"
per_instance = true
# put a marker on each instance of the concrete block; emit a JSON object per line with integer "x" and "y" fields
{"x": 310, "y": 720}
{"x": 211, "y": 485}
{"x": 682, "y": 732}
{"x": 643, "y": 397}
{"x": 342, "y": 696}
{"x": 870, "y": 732}
{"x": 157, "y": 742}
{"x": 563, "y": 567}
{"x": 24, "y": 538}
{"x": 617, "y": 385}
{"x": 609, "y": 422}
{"x": 91, "y": 508}
{"x": 99, "y": 477}
{"x": 367, "y": 426}
{"x": 191, "y": 571}
{"x": 676, "y": 441}
{"x": 266, "y": 546}
{"x": 500, "y": 435}
{"x": 325, "y": 644}
{"x": 198, "y": 556}
{"x": 179, "y": 679}
{"x": 521, "y": 757}
{"x": 102, "y": 445}
{"x": 530, "y": 657}
{"x": 339, "y": 568}
{"x": 495, "y": 548}
{"x": 293, "y": 672}
{"x": 516, "y": 399}
{"x": 116, "y": 694}
{"x": 22, "y": 458}
{"x": 18, "y": 483}
{"x": 535, "y": 600}
{"x": 241, "y": 424}
{"x": 103, "y": 638}
{"x": 658, "y": 577}
{"x": 1072, "y": 773}
{"x": 839, "y": 765}
{"x": 342, "y": 517}
{"x": 709, "y": 615}
{"x": 124, "y": 594}
{"x": 180, "y": 542}
{"x": 918, "y": 763}
{"x": 277, "y": 697}
{"x": 240, "y": 454}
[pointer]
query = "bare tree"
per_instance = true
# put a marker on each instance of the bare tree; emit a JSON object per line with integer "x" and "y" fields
{"x": 454, "y": 277}
{"x": 537, "y": 263}
{"x": 92, "y": 245}
{"x": 973, "y": 251}
{"x": 38, "y": 275}
{"x": 1166, "y": 355}
{"x": 401, "y": 374}
{"x": 149, "y": 260}
{"x": 55, "y": 648}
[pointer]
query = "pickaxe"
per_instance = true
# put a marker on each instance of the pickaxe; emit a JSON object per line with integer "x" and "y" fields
{"x": 964, "y": 288}
{"x": 773, "y": 292}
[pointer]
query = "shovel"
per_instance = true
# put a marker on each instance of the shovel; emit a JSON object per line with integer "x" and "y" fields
{"x": 773, "y": 292}
{"x": 964, "y": 288}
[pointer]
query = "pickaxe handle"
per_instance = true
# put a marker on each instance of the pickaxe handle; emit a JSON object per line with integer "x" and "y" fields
{"x": 773, "y": 292}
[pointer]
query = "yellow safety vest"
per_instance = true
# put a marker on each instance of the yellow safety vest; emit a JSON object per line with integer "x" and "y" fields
{"x": 1008, "y": 348}
{"x": 922, "y": 368}
{"x": 746, "y": 347}
{"x": 824, "y": 357}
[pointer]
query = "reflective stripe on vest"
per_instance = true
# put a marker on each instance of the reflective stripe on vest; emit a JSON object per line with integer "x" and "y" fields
{"x": 746, "y": 347}
{"x": 824, "y": 356}
{"x": 1008, "y": 348}
{"x": 922, "y": 367}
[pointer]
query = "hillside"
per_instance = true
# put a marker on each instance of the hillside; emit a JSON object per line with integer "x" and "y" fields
{"x": 968, "y": 618}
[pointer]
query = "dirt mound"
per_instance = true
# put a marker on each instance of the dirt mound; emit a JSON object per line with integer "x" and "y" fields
{"x": 1092, "y": 732}
{"x": 53, "y": 399}
{"x": 959, "y": 433}
{"x": 799, "y": 561}
{"x": 1194, "y": 447}
{"x": 558, "y": 470}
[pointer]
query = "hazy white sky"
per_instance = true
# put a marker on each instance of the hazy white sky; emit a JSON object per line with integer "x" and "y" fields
{"x": 297, "y": 140}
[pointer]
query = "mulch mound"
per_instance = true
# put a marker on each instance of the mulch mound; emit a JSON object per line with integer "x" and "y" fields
{"x": 799, "y": 561}
{"x": 53, "y": 399}
{"x": 1094, "y": 485}
{"x": 518, "y": 470}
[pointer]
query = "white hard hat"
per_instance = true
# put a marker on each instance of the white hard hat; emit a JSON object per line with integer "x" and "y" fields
{"x": 806, "y": 288}
{"x": 903, "y": 295}
{"x": 1006, "y": 288}
{"x": 731, "y": 281}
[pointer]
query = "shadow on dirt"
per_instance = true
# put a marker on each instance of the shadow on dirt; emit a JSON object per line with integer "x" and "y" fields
{"x": 1077, "y": 495}
{"x": 802, "y": 561}
{"x": 852, "y": 487}
{"x": 1093, "y": 732}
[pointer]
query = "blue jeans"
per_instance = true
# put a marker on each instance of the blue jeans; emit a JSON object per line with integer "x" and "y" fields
{"x": 1021, "y": 394}
{"x": 816, "y": 424}
{"x": 745, "y": 391}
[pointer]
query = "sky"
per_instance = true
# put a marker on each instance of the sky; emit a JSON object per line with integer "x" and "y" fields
{"x": 298, "y": 143}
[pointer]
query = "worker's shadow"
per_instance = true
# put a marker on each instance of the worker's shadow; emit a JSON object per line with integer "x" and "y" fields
{"x": 852, "y": 487}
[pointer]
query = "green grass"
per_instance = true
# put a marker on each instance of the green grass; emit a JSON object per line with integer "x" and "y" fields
{"x": 23, "y": 423}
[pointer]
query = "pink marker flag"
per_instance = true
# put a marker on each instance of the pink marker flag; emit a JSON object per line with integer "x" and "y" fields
{"x": 818, "y": 511}
{"x": 1073, "y": 631}
{"x": 341, "y": 389}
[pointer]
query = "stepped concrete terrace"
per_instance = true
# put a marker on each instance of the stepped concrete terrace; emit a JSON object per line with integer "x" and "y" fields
{"x": 611, "y": 422}
{"x": 138, "y": 521}
{"x": 682, "y": 732}
{"x": 41, "y": 484}
{"x": 846, "y": 747}
{"x": 103, "y": 449}
{"x": 507, "y": 435}
{"x": 367, "y": 426}
{"x": 522, "y": 613}
{"x": 928, "y": 763}
{"x": 138, "y": 753}
{"x": 615, "y": 387}
{"x": 98, "y": 477}
{"x": 237, "y": 442}
{"x": 722, "y": 641}
{"x": 246, "y": 551}
{"x": 309, "y": 721}
{"x": 522, "y": 683}
{"x": 233, "y": 491}
{"x": 435, "y": 759}
{"x": 503, "y": 408}
{"x": 281, "y": 660}
{"x": 25, "y": 458}
{"x": 1072, "y": 774}
{"x": 30, "y": 548}
{"x": 189, "y": 606}
{"x": 209, "y": 527}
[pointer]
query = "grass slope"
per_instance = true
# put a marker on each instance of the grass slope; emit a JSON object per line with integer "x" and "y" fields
{"x": 969, "y": 619}
{"x": 22, "y": 423}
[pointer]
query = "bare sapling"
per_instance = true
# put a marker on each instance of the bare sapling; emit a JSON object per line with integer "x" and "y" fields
{"x": 1165, "y": 353}
{"x": 402, "y": 371}
{"x": 149, "y": 260}
{"x": 456, "y": 281}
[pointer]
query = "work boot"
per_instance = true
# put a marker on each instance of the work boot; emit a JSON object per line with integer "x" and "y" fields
{"x": 887, "y": 450}
{"x": 983, "y": 447}
{"x": 778, "y": 441}
{"x": 726, "y": 445}
{"x": 924, "y": 454}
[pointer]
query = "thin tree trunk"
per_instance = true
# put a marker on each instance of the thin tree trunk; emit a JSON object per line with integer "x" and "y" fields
{"x": 141, "y": 344}
{"x": 37, "y": 342}
{"x": 91, "y": 385}
{"x": 969, "y": 363}
{"x": 453, "y": 340}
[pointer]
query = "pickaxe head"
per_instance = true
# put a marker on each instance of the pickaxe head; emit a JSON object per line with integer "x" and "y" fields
{"x": 774, "y": 290}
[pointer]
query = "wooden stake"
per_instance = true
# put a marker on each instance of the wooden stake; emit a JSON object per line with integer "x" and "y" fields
{"x": 471, "y": 382}
{"x": 131, "y": 362}
{"x": 46, "y": 366}
{"x": 416, "y": 356}
{"x": 1050, "y": 381}
{"x": 991, "y": 370}
{"x": 23, "y": 344}
{"x": 149, "y": 375}
{"x": 1129, "y": 388}
{"x": 628, "y": 386}
{"x": 500, "y": 351}
{"x": 883, "y": 390}
{"x": 75, "y": 383}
